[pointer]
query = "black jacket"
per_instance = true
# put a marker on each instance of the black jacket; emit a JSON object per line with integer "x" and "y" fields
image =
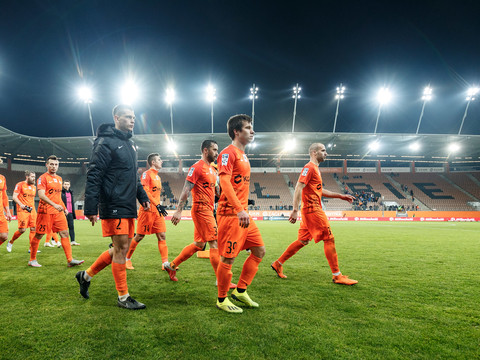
{"x": 64, "y": 199}
{"x": 113, "y": 183}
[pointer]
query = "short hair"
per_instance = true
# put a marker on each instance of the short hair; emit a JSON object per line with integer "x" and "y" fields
{"x": 236, "y": 123}
{"x": 28, "y": 172}
{"x": 64, "y": 181}
{"x": 150, "y": 158}
{"x": 51, "y": 157}
{"x": 314, "y": 147}
{"x": 118, "y": 110}
{"x": 207, "y": 143}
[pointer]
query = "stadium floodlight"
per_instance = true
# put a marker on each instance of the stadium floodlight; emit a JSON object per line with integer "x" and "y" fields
{"x": 471, "y": 93}
{"x": 211, "y": 97}
{"x": 296, "y": 95}
{"x": 290, "y": 144}
{"x": 253, "y": 97}
{"x": 427, "y": 96}
{"x": 129, "y": 92}
{"x": 414, "y": 146}
{"x": 453, "y": 147}
{"x": 169, "y": 99}
{"x": 339, "y": 96}
{"x": 384, "y": 96}
{"x": 86, "y": 95}
{"x": 374, "y": 145}
{"x": 172, "y": 145}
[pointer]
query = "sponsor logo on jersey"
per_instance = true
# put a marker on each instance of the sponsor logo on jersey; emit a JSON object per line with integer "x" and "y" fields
{"x": 144, "y": 176}
{"x": 305, "y": 172}
{"x": 224, "y": 159}
{"x": 190, "y": 172}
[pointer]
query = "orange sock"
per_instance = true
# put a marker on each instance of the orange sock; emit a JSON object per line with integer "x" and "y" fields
{"x": 331, "y": 254}
{"x": 55, "y": 237}
{"x": 101, "y": 263}
{"x": 67, "y": 248}
{"x": 31, "y": 235}
{"x": 33, "y": 248}
{"x": 224, "y": 277}
{"x": 15, "y": 236}
{"x": 214, "y": 259}
{"x": 187, "y": 251}
{"x": 2, "y": 241}
{"x": 291, "y": 250}
{"x": 162, "y": 247}
{"x": 131, "y": 249}
{"x": 250, "y": 268}
{"x": 119, "y": 272}
{"x": 48, "y": 237}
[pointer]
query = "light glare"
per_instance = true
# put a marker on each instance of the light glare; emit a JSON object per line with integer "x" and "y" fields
{"x": 129, "y": 92}
{"x": 85, "y": 94}
{"x": 384, "y": 96}
{"x": 170, "y": 96}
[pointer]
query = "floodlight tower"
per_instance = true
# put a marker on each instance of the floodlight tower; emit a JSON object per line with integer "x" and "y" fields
{"x": 427, "y": 96}
{"x": 339, "y": 96}
{"x": 170, "y": 98}
{"x": 296, "y": 95}
{"x": 85, "y": 94}
{"x": 471, "y": 93}
{"x": 383, "y": 97}
{"x": 211, "y": 91}
{"x": 253, "y": 96}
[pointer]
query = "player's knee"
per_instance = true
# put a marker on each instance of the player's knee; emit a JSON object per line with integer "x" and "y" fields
{"x": 4, "y": 236}
{"x": 258, "y": 251}
{"x": 213, "y": 244}
{"x": 63, "y": 234}
{"x": 139, "y": 237}
{"x": 161, "y": 236}
{"x": 22, "y": 230}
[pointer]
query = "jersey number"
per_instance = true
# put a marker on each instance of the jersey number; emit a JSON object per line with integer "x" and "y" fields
{"x": 119, "y": 223}
{"x": 146, "y": 228}
{"x": 42, "y": 228}
{"x": 231, "y": 246}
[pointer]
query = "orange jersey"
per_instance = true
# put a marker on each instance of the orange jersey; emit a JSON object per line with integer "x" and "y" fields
{"x": 234, "y": 162}
{"x": 52, "y": 184}
{"x": 152, "y": 183}
{"x": 312, "y": 192}
{"x": 204, "y": 178}
{"x": 26, "y": 195}
{"x": 3, "y": 192}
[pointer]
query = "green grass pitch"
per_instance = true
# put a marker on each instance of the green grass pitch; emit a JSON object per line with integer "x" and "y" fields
{"x": 417, "y": 298}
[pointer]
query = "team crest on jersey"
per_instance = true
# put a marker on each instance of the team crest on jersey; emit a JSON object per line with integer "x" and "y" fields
{"x": 39, "y": 181}
{"x": 224, "y": 159}
{"x": 211, "y": 172}
{"x": 144, "y": 176}
{"x": 54, "y": 180}
{"x": 305, "y": 172}
{"x": 190, "y": 172}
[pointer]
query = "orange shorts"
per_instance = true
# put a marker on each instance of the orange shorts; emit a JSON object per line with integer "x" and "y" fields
{"x": 112, "y": 227}
{"x": 232, "y": 238}
{"x": 3, "y": 224}
{"x": 205, "y": 226}
{"x": 27, "y": 219}
{"x": 51, "y": 223}
{"x": 150, "y": 222}
{"x": 315, "y": 226}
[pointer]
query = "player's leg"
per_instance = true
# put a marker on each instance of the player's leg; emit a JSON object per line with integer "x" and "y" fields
{"x": 60, "y": 225}
{"x": 131, "y": 249}
{"x": 84, "y": 277}
{"x": 16, "y": 234}
{"x": 3, "y": 228}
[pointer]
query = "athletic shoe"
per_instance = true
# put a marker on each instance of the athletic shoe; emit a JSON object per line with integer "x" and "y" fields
{"x": 244, "y": 298}
{"x": 343, "y": 280}
{"x": 59, "y": 244}
{"x": 278, "y": 269}
{"x": 129, "y": 265}
{"x": 74, "y": 243}
{"x": 84, "y": 284}
{"x": 172, "y": 271}
{"x": 49, "y": 244}
{"x": 229, "y": 307}
{"x": 75, "y": 262}
{"x": 131, "y": 304}
{"x": 9, "y": 247}
{"x": 231, "y": 287}
{"x": 34, "y": 263}
{"x": 38, "y": 251}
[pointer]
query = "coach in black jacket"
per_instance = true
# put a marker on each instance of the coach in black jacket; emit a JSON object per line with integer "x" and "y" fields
{"x": 112, "y": 187}
{"x": 71, "y": 212}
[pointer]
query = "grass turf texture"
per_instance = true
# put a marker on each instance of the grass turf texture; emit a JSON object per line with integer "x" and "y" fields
{"x": 417, "y": 299}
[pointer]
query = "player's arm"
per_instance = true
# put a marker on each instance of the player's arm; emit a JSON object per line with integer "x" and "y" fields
{"x": 331, "y": 194}
{"x": 142, "y": 196}
{"x": 17, "y": 200}
{"x": 44, "y": 198}
{"x": 227, "y": 189}
{"x": 5, "y": 204}
{"x": 177, "y": 216}
{"x": 297, "y": 199}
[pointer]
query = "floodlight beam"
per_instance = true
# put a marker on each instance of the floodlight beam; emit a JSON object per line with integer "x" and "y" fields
{"x": 91, "y": 119}
{"x": 378, "y": 117}
{"x": 464, "y": 117}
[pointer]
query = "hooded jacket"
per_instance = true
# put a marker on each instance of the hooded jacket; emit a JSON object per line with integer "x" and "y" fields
{"x": 113, "y": 184}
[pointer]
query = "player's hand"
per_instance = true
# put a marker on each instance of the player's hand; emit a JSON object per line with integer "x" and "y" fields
{"x": 177, "y": 216}
{"x": 243, "y": 219}
{"x": 92, "y": 219}
{"x": 8, "y": 216}
{"x": 58, "y": 207}
{"x": 251, "y": 202}
{"x": 162, "y": 210}
{"x": 28, "y": 208}
{"x": 146, "y": 205}
{"x": 293, "y": 216}
{"x": 66, "y": 212}
{"x": 348, "y": 198}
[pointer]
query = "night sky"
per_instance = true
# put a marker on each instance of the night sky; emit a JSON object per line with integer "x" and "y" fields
{"x": 49, "y": 48}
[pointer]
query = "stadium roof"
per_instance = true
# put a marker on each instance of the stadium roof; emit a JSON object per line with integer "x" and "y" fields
{"x": 269, "y": 145}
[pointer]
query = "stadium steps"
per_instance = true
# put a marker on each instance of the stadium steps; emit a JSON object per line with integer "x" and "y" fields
{"x": 458, "y": 187}
{"x": 421, "y": 205}
{"x": 287, "y": 181}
